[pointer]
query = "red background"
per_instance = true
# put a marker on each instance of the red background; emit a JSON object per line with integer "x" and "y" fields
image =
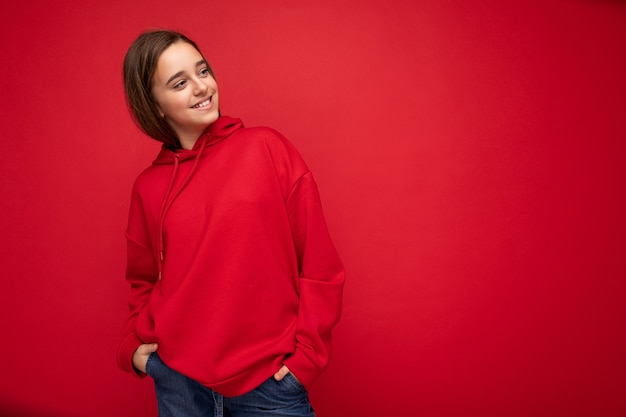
{"x": 472, "y": 164}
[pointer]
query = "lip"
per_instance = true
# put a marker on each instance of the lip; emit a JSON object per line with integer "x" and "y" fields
{"x": 209, "y": 105}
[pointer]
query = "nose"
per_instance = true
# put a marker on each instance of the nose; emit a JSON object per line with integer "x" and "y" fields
{"x": 200, "y": 88}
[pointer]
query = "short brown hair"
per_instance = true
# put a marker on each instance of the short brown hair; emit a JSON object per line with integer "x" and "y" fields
{"x": 140, "y": 65}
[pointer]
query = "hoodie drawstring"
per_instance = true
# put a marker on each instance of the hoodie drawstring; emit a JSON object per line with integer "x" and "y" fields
{"x": 167, "y": 200}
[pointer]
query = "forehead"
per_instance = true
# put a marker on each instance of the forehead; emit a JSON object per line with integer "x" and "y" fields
{"x": 179, "y": 56}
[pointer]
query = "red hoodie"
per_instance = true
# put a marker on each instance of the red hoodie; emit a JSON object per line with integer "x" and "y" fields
{"x": 231, "y": 267}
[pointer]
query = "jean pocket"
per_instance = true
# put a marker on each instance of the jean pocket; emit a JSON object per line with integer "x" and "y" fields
{"x": 150, "y": 364}
{"x": 291, "y": 379}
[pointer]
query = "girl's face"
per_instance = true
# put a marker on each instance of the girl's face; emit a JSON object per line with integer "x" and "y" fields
{"x": 185, "y": 92}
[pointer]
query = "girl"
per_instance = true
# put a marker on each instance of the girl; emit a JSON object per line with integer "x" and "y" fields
{"x": 235, "y": 283}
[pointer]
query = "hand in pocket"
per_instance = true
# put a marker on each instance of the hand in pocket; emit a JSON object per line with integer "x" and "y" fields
{"x": 282, "y": 372}
{"x": 141, "y": 355}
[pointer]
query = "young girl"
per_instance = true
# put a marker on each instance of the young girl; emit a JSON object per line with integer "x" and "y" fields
{"x": 235, "y": 283}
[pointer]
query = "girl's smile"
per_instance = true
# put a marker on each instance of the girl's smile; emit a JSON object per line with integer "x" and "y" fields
{"x": 206, "y": 104}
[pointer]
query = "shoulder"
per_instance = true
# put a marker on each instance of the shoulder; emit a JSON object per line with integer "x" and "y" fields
{"x": 280, "y": 152}
{"x": 278, "y": 146}
{"x": 264, "y": 134}
{"x": 147, "y": 178}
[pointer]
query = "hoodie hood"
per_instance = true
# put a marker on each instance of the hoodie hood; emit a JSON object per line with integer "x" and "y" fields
{"x": 217, "y": 131}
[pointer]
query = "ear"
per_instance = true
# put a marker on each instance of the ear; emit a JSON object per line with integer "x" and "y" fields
{"x": 155, "y": 105}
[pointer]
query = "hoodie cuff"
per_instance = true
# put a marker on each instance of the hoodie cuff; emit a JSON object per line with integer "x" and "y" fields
{"x": 125, "y": 355}
{"x": 303, "y": 368}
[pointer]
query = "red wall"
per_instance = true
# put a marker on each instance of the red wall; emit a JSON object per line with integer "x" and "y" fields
{"x": 472, "y": 161}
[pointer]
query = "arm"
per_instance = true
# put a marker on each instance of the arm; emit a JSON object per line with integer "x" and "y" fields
{"x": 141, "y": 274}
{"x": 321, "y": 282}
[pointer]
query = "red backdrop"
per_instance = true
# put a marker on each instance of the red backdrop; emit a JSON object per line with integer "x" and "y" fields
{"x": 472, "y": 164}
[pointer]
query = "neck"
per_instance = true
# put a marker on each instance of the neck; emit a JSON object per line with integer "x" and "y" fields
{"x": 188, "y": 139}
{"x": 187, "y": 143}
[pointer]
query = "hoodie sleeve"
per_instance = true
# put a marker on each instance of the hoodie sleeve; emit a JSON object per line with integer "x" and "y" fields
{"x": 141, "y": 273}
{"x": 321, "y": 281}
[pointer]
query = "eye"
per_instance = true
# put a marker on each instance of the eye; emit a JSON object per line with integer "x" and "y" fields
{"x": 204, "y": 72}
{"x": 180, "y": 84}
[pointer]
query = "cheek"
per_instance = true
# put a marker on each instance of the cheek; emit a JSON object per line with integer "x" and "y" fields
{"x": 211, "y": 83}
{"x": 169, "y": 106}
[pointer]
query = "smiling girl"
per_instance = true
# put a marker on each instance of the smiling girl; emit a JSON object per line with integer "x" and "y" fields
{"x": 235, "y": 283}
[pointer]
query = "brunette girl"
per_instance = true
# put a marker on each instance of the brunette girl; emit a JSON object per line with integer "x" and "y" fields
{"x": 235, "y": 283}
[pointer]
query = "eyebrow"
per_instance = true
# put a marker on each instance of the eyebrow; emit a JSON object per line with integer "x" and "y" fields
{"x": 179, "y": 73}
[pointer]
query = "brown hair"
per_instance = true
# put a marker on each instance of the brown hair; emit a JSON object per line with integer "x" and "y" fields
{"x": 139, "y": 67}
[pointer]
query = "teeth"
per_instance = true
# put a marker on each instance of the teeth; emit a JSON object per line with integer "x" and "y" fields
{"x": 203, "y": 104}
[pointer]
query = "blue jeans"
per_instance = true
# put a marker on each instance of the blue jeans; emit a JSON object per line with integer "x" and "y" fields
{"x": 180, "y": 396}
